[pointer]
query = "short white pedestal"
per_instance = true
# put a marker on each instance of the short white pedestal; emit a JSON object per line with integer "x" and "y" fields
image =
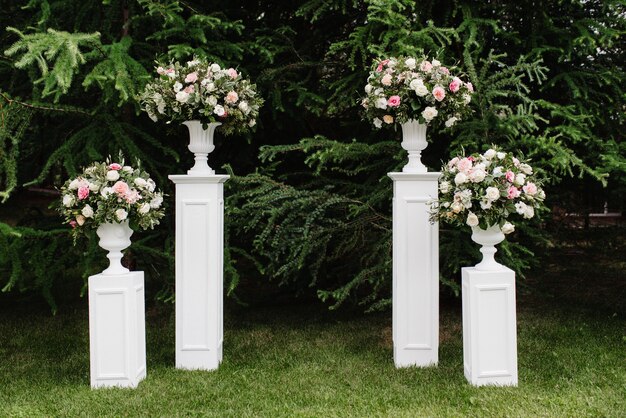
{"x": 489, "y": 327}
{"x": 117, "y": 330}
{"x": 415, "y": 271}
{"x": 199, "y": 270}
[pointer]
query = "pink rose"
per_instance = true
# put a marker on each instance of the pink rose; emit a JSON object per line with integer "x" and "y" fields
{"x": 455, "y": 85}
{"x": 160, "y": 70}
{"x": 469, "y": 87}
{"x": 515, "y": 162}
{"x": 381, "y": 65}
{"x": 232, "y": 73}
{"x": 512, "y": 193}
{"x": 189, "y": 89}
{"x": 170, "y": 71}
{"x": 393, "y": 101}
{"x": 231, "y": 97}
{"x": 83, "y": 192}
{"x": 470, "y": 158}
{"x": 386, "y": 80}
{"x": 115, "y": 166}
{"x": 444, "y": 70}
{"x": 453, "y": 162}
{"x": 530, "y": 189}
{"x": 464, "y": 165}
{"x": 73, "y": 223}
{"x": 426, "y": 66}
{"x": 132, "y": 196}
{"x": 439, "y": 93}
{"x": 191, "y": 77}
{"x": 510, "y": 176}
{"x": 121, "y": 188}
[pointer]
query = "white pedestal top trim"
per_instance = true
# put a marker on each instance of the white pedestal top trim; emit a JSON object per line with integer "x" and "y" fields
{"x": 399, "y": 176}
{"x": 195, "y": 179}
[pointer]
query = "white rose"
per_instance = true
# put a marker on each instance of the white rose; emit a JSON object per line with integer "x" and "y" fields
{"x": 252, "y": 123}
{"x": 368, "y": 88}
{"x": 429, "y": 113}
{"x": 460, "y": 178}
{"x": 145, "y": 208}
{"x": 492, "y": 193}
{"x": 212, "y": 100}
{"x": 377, "y": 122}
{"x": 171, "y": 74}
{"x": 444, "y": 187}
{"x": 450, "y": 122}
{"x": 472, "y": 219}
{"x": 182, "y": 96}
{"x": 177, "y": 87}
{"x": 526, "y": 169}
{"x": 210, "y": 86}
{"x": 156, "y": 201}
{"x": 151, "y": 185}
{"x": 80, "y": 220}
{"x": 381, "y": 103}
{"x": 467, "y": 98}
{"x": 485, "y": 204}
{"x": 435, "y": 63}
{"x": 411, "y": 63}
{"x": 87, "y": 211}
{"x": 501, "y": 155}
{"x": 490, "y": 153}
{"x": 127, "y": 169}
{"x": 520, "y": 207}
{"x": 113, "y": 175}
{"x": 497, "y": 172}
{"x": 456, "y": 207}
{"x": 541, "y": 194}
{"x": 139, "y": 182}
{"x": 219, "y": 110}
{"x": 421, "y": 90}
{"x": 507, "y": 228}
{"x": 520, "y": 179}
{"x": 215, "y": 68}
{"x": 121, "y": 214}
{"x": 529, "y": 212}
{"x": 415, "y": 83}
{"x": 192, "y": 63}
{"x": 68, "y": 200}
{"x": 243, "y": 106}
{"x": 73, "y": 184}
{"x": 477, "y": 175}
{"x": 106, "y": 191}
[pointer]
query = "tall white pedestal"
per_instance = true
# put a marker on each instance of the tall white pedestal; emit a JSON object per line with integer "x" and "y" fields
{"x": 117, "y": 330}
{"x": 199, "y": 270}
{"x": 489, "y": 327}
{"x": 415, "y": 271}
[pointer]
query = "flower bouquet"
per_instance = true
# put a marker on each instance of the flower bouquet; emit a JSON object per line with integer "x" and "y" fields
{"x": 111, "y": 192}
{"x": 483, "y": 191}
{"x": 406, "y": 88}
{"x": 415, "y": 92}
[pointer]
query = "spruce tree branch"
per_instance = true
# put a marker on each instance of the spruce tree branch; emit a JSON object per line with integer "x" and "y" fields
{"x": 40, "y": 107}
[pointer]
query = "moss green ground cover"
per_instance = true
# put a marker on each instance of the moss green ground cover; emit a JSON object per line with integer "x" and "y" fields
{"x": 307, "y": 362}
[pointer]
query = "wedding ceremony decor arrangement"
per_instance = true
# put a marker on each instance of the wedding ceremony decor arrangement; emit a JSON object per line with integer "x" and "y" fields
{"x": 203, "y": 96}
{"x": 415, "y": 93}
{"x": 483, "y": 191}
{"x": 113, "y": 199}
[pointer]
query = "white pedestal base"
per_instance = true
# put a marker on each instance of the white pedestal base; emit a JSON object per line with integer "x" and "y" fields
{"x": 489, "y": 327}
{"x": 415, "y": 271}
{"x": 199, "y": 270}
{"x": 117, "y": 330}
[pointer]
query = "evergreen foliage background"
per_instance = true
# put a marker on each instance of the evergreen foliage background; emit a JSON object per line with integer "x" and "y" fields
{"x": 309, "y": 204}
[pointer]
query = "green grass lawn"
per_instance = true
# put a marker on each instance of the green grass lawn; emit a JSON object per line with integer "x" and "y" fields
{"x": 304, "y": 361}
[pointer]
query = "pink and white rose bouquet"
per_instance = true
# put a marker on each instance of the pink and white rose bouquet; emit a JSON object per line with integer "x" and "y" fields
{"x": 203, "y": 91}
{"x": 400, "y": 89}
{"x": 485, "y": 189}
{"x": 111, "y": 192}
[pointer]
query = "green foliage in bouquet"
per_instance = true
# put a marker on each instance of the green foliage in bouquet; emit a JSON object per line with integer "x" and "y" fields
{"x": 202, "y": 91}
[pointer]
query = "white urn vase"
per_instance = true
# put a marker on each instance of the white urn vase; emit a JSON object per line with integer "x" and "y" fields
{"x": 488, "y": 238}
{"x": 414, "y": 141}
{"x": 201, "y": 144}
{"x": 114, "y": 237}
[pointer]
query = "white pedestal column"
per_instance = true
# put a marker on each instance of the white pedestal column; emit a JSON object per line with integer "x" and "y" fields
{"x": 199, "y": 270}
{"x": 489, "y": 327}
{"x": 415, "y": 271}
{"x": 117, "y": 330}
